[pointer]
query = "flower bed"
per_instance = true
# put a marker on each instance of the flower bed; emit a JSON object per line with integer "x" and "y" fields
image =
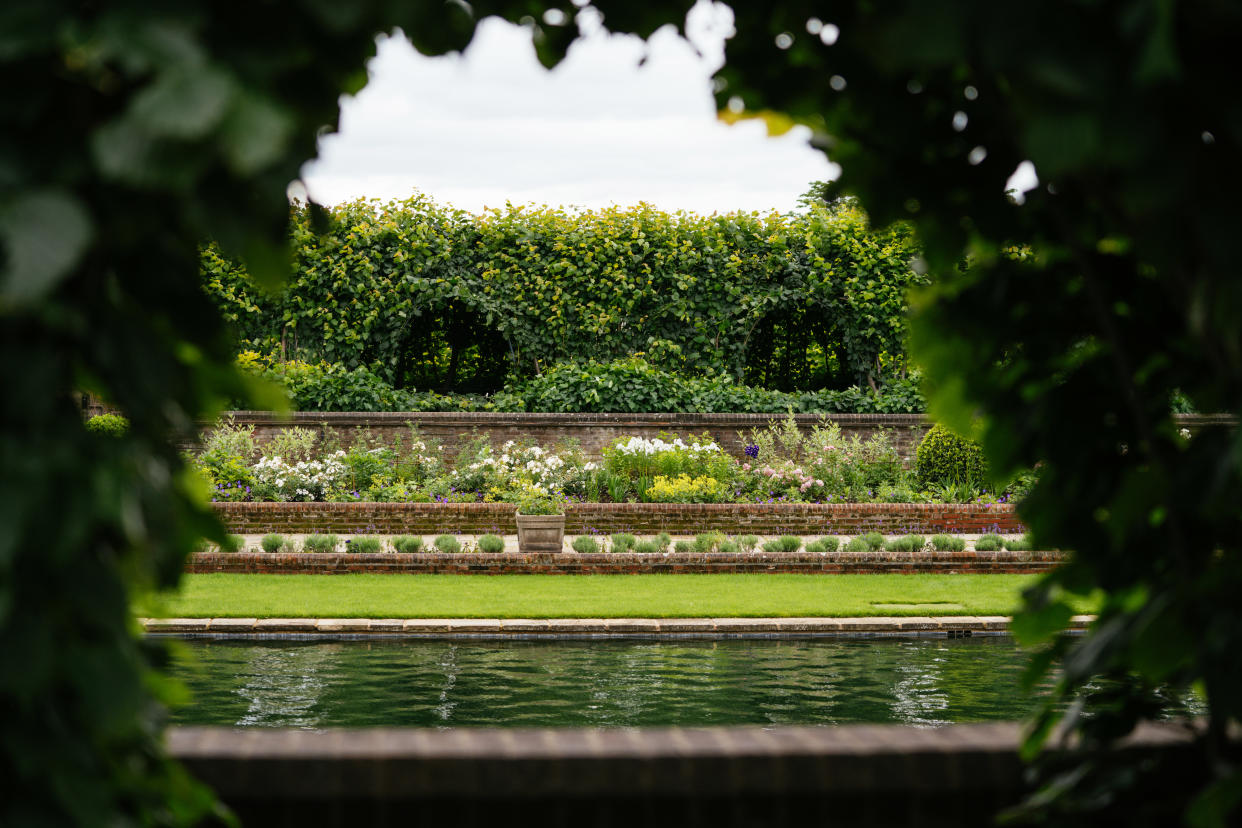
{"x": 782, "y": 463}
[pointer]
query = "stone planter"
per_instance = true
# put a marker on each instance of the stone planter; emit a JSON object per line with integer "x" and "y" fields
{"x": 540, "y": 533}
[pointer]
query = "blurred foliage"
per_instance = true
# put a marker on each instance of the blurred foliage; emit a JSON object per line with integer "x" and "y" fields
{"x": 131, "y": 133}
{"x": 1088, "y": 304}
{"x": 134, "y": 132}
{"x": 433, "y": 297}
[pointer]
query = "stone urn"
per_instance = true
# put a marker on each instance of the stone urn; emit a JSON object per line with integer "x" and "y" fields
{"x": 540, "y": 533}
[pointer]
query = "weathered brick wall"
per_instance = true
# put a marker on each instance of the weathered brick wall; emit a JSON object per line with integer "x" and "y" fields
{"x": 600, "y": 563}
{"x": 591, "y": 431}
{"x": 594, "y": 431}
{"x": 638, "y": 518}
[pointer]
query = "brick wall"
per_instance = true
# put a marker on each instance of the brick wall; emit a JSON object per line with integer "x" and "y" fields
{"x": 638, "y": 518}
{"x": 594, "y": 431}
{"x": 572, "y": 563}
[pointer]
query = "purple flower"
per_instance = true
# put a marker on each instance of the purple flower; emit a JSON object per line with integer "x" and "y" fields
{"x": 752, "y": 451}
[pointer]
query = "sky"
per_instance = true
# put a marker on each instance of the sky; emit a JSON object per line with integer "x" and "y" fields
{"x": 492, "y": 126}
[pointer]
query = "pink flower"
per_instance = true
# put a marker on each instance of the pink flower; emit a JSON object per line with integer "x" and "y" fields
{"x": 746, "y": 467}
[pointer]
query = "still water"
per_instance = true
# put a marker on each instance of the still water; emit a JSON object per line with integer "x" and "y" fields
{"x": 425, "y": 683}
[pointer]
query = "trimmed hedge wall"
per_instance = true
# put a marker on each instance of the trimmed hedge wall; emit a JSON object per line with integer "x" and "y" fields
{"x": 433, "y": 297}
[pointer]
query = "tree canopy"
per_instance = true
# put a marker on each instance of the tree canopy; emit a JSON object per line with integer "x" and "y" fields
{"x": 1084, "y": 305}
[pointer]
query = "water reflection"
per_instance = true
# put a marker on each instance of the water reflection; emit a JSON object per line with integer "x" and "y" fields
{"x": 282, "y": 685}
{"x": 928, "y": 682}
{"x": 919, "y": 697}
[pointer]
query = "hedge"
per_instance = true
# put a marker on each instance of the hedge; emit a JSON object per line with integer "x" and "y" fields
{"x": 432, "y": 297}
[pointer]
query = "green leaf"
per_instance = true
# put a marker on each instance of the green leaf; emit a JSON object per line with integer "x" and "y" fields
{"x": 45, "y": 233}
{"x": 184, "y": 102}
{"x": 1036, "y": 626}
{"x": 1215, "y": 803}
{"x": 255, "y": 133}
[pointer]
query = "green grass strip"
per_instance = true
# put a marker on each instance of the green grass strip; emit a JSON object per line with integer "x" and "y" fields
{"x": 587, "y": 596}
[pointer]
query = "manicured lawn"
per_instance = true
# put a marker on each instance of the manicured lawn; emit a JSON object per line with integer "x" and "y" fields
{"x": 587, "y": 596}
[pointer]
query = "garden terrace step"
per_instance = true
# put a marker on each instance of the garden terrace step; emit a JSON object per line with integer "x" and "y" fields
{"x": 803, "y": 519}
{"x": 623, "y": 563}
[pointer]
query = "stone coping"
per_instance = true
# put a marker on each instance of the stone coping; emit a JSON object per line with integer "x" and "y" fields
{"x": 532, "y": 763}
{"x": 678, "y": 419}
{"x": 497, "y": 418}
{"x": 948, "y": 625}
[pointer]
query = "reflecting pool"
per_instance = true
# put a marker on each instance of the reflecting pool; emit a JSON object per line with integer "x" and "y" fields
{"x": 613, "y": 683}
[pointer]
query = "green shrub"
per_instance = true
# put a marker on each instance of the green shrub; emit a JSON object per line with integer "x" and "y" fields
{"x": 663, "y": 540}
{"x": 113, "y": 425}
{"x": 856, "y": 545}
{"x": 320, "y": 543}
{"x": 447, "y": 544}
{"x": 233, "y": 543}
{"x": 785, "y": 543}
{"x": 229, "y": 439}
{"x": 947, "y": 543}
{"x": 494, "y": 282}
{"x": 647, "y": 547}
{"x": 728, "y": 547}
{"x": 491, "y": 544}
{"x": 824, "y": 546}
{"x": 989, "y": 543}
{"x": 272, "y": 543}
{"x": 874, "y": 540}
{"x": 1022, "y": 543}
{"x": 683, "y": 547}
{"x": 364, "y": 545}
{"x": 748, "y": 542}
{"x": 944, "y": 457}
{"x": 407, "y": 543}
{"x": 329, "y": 386}
{"x": 708, "y": 541}
{"x": 585, "y": 544}
{"x": 906, "y": 543}
{"x": 623, "y": 542}
{"x": 292, "y": 445}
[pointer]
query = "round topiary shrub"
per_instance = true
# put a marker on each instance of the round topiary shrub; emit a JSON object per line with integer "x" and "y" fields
{"x": 944, "y": 457}
{"x": 113, "y": 424}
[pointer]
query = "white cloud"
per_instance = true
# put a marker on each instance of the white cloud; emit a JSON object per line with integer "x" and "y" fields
{"x": 491, "y": 125}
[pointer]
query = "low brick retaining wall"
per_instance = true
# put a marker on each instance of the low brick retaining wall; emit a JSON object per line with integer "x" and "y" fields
{"x": 864, "y": 775}
{"x": 639, "y": 518}
{"x": 594, "y": 431}
{"x": 591, "y": 431}
{"x": 608, "y": 563}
